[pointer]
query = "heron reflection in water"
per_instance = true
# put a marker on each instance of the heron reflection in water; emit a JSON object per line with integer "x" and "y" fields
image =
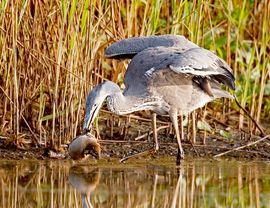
{"x": 168, "y": 75}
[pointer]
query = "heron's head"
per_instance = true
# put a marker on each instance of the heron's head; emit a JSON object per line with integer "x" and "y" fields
{"x": 95, "y": 100}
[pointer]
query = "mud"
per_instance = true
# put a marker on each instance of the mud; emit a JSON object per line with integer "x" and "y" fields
{"x": 120, "y": 137}
{"x": 118, "y": 149}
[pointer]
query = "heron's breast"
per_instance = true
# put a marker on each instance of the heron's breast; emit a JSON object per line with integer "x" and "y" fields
{"x": 176, "y": 96}
{"x": 185, "y": 98}
{"x": 161, "y": 108}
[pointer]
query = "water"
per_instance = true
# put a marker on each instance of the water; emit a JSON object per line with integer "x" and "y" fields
{"x": 199, "y": 183}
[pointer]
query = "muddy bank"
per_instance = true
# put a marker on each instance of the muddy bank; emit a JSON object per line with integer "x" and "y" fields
{"x": 123, "y": 136}
{"x": 240, "y": 146}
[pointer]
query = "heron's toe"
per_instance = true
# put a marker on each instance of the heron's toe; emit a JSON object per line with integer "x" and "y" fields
{"x": 180, "y": 156}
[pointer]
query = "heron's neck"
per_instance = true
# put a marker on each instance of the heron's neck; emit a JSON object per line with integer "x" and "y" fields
{"x": 121, "y": 104}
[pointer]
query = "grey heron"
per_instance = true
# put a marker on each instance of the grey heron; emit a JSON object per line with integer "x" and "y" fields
{"x": 167, "y": 74}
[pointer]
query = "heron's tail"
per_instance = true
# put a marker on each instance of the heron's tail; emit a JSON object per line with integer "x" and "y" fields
{"x": 218, "y": 93}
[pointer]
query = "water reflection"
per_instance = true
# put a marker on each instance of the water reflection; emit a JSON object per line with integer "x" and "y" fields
{"x": 85, "y": 180}
{"x": 197, "y": 183}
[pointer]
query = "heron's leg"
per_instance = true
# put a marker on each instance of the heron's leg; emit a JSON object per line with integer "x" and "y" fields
{"x": 154, "y": 126}
{"x": 152, "y": 150}
{"x": 173, "y": 115}
{"x": 181, "y": 128}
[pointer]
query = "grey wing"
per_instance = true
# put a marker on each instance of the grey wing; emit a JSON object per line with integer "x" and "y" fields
{"x": 142, "y": 66}
{"x": 200, "y": 64}
{"x": 128, "y": 48}
{"x": 203, "y": 63}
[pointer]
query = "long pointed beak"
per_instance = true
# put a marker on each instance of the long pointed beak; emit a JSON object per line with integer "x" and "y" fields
{"x": 89, "y": 117}
{"x": 87, "y": 122}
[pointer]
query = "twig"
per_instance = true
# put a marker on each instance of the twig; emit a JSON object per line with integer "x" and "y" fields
{"x": 151, "y": 132}
{"x": 244, "y": 146}
{"x": 253, "y": 120}
{"x": 106, "y": 141}
{"x": 147, "y": 152}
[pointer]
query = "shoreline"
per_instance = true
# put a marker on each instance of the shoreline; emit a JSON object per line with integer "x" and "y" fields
{"x": 253, "y": 148}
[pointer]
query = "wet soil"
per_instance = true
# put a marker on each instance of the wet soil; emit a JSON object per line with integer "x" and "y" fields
{"x": 118, "y": 149}
{"x": 120, "y": 137}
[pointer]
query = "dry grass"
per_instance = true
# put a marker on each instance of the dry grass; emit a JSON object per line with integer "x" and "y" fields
{"x": 52, "y": 54}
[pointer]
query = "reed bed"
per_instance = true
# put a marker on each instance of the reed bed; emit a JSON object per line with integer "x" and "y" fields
{"x": 51, "y": 55}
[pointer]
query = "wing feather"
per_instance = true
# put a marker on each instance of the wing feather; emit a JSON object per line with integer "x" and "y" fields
{"x": 195, "y": 62}
{"x": 128, "y": 48}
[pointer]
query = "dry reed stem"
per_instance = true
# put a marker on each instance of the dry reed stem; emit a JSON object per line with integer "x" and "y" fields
{"x": 244, "y": 146}
{"x": 52, "y": 55}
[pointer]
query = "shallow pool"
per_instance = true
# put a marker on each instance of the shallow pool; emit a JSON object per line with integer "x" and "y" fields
{"x": 197, "y": 183}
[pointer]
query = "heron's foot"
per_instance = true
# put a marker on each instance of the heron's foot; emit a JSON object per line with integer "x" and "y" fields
{"x": 156, "y": 147}
{"x": 180, "y": 156}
